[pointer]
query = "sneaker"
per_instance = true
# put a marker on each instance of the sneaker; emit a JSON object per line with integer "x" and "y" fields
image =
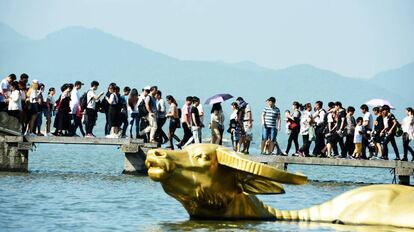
{"x": 397, "y": 159}
{"x": 404, "y": 159}
{"x": 89, "y": 136}
{"x": 284, "y": 154}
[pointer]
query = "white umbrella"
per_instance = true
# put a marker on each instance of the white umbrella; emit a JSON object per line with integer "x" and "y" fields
{"x": 379, "y": 102}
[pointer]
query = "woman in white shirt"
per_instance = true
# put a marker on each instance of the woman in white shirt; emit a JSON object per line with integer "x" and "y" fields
{"x": 407, "y": 127}
{"x": 305, "y": 124}
{"x": 15, "y": 101}
{"x": 114, "y": 112}
{"x": 33, "y": 106}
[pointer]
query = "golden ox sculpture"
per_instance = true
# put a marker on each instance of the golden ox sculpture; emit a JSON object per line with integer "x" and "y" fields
{"x": 213, "y": 182}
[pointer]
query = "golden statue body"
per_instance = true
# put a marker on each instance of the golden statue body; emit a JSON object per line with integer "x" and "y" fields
{"x": 213, "y": 182}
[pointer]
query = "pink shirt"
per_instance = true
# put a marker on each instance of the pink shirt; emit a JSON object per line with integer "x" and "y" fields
{"x": 186, "y": 112}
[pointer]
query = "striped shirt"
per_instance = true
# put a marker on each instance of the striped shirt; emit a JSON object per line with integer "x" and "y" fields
{"x": 271, "y": 116}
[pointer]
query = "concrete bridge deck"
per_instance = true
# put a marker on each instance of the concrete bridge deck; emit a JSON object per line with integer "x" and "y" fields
{"x": 403, "y": 169}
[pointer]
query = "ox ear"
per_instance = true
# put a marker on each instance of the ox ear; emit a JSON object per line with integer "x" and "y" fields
{"x": 256, "y": 185}
{"x": 242, "y": 162}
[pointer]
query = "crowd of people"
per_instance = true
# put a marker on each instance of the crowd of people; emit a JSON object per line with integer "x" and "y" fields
{"x": 143, "y": 115}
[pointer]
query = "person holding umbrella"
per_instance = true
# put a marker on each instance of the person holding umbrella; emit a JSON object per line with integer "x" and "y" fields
{"x": 217, "y": 117}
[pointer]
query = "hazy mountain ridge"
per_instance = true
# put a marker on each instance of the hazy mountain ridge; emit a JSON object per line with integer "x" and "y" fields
{"x": 88, "y": 54}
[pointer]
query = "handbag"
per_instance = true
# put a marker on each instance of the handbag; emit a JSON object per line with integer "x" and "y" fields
{"x": 312, "y": 134}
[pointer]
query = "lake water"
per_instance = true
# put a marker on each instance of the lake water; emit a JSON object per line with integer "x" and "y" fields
{"x": 81, "y": 188}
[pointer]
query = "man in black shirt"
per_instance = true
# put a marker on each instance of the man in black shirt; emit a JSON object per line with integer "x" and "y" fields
{"x": 341, "y": 127}
{"x": 196, "y": 124}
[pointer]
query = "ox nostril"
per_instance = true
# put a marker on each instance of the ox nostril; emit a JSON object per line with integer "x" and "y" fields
{"x": 160, "y": 154}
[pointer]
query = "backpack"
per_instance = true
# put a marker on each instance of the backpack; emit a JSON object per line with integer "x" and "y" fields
{"x": 83, "y": 101}
{"x": 179, "y": 112}
{"x": 142, "y": 110}
{"x": 398, "y": 130}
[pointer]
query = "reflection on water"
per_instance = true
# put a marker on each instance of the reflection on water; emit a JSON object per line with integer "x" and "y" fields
{"x": 83, "y": 189}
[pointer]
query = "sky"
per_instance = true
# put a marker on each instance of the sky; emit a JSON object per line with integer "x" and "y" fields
{"x": 353, "y": 38}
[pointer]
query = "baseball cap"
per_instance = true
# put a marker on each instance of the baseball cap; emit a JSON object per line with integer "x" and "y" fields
{"x": 79, "y": 83}
{"x": 272, "y": 99}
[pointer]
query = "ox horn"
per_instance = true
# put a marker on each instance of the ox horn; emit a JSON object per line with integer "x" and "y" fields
{"x": 241, "y": 162}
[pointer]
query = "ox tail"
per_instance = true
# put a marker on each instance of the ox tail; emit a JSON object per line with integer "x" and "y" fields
{"x": 321, "y": 213}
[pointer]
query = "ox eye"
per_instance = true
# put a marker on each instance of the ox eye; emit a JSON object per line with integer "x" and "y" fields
{"x": 203, "y": 157}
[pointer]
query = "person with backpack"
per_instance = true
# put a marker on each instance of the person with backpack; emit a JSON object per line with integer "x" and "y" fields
{"x": 148, "y": 114}
{"x": 74, "y": 109}
{"x": 161, "y": 118}
{"x": 319, "y": 117}
{"x": 91, "y": 113}
{"x": 390, "y": 126}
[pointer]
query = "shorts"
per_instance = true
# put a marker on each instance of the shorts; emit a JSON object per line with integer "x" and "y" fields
{"x": 248, "y": 133}
{"x": 269, "y": 133}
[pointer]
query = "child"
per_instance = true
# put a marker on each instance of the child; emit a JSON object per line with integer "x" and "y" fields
{"x": 358, "y": 139}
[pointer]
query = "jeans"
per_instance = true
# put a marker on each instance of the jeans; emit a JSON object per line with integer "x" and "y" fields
{"x": 269, "y": 133}
{"x": 135, "y": 119}
{"x": 124, "y": 122}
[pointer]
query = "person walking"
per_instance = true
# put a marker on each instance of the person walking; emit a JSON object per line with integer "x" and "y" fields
{"x": 174, "y": 120}
{"x": 340, "y": 130}
{"x": 124, "y": 111}
{"x": 151, "y": 116}
{"x": 368, "y": 125}
{"x": 271, "y": 125}
{"x": 33, "y": 106}
{"x": 161, "y": 118}
{"x": 350, "y": 131}
{"x": 196, "y": 124}
{"x": 14, "y": 101}
{"x": 133, "y": 109}
{"x": 75, "y": 108}
{"x": 217, "y": 124}
{"x": 294, "y": 126}
{"x": 235, "y": 127}
{"x": 376, "y": 136}
{"x": 247, "y": 135}
{"x": 62, "y": 122}
{"x": 408, "y": 133}
{"x": 114, "y": 112}
{"x": 306, "y": 122}
{"x": 49, "y": 110}
{"x": 319, "y": 117}
{"x": 186, "y": 122}
{"x": 91, "y": 113}
{"x": 390, "y": 126}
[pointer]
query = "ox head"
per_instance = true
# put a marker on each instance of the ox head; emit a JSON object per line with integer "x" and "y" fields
{"x": 207, "y": 178}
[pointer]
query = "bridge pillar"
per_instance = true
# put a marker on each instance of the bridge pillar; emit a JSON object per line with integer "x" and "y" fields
{"x": 135, "y": 155}
{"x": 14, "y": 157}
{"x": 403, "y": 175}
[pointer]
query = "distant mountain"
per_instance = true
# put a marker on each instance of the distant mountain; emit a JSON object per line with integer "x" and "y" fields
{"x": 90, "y": 54}
{"x": 399, "y": 81}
